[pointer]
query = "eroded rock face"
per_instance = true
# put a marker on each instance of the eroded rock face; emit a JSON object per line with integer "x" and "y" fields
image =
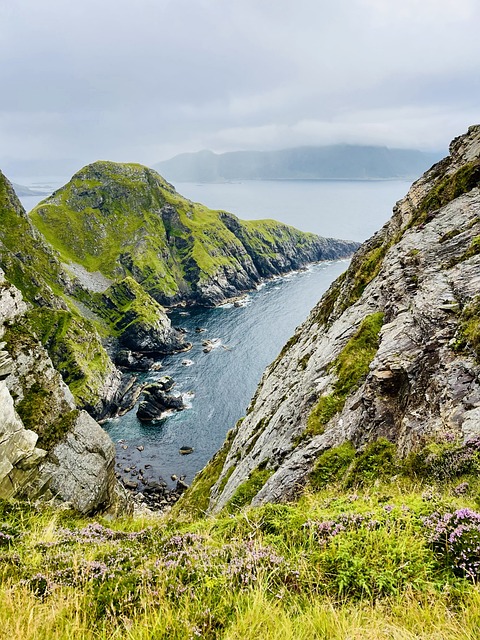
{"x": 80, "y": 468}
{"x": 48, "y": 449}
{"x": 421, "y": 272}
{"x": 73, "y": 341}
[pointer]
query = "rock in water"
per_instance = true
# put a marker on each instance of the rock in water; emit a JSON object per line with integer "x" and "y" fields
{"x": 185, "y": 451}
{"x": 156, "y": 401}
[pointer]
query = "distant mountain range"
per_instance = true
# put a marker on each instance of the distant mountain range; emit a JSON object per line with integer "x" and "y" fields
{"x": 21, "y": 190}
{"x": 337, "y": 162}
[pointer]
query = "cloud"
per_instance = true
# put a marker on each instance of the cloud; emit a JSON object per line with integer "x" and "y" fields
{"x": 145, "y": 80}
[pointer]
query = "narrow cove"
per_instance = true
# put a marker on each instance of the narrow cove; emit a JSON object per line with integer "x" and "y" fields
{"x": 217, "y": 385}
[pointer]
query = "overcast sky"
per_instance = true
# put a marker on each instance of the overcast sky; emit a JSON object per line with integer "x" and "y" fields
{"x": 142, "y": 80}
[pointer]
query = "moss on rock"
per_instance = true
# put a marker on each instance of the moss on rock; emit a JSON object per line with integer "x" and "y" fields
{"x": 76, "y": 351}
{"x": 248, "y": 489}
{"x": 350, "y": 366}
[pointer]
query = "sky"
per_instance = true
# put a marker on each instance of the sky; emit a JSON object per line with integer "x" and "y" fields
{"x": 144, "y": 80}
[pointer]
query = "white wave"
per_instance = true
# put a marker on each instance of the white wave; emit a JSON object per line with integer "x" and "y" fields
{"x": 187, "y": 398}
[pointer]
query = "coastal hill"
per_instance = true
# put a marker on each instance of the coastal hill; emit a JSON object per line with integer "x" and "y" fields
{"x": 125, "y": 220}
{"x": 336, "y": 162}
{"x": 81, "y": 284}
{"x": 108, "y": 249}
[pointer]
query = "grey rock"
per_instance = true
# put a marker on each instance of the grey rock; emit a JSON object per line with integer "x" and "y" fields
{"x": 156, "y": 402}
{"x": 181, "y": 486}
{"x": 80, "y": 468}
{"x": 418, "y": 387}
{"x": 184, "y": 451}
{"x": 77, "y": 470}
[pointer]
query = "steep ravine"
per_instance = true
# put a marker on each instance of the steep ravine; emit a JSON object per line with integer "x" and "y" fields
{"x": 391, "y": 350}
{"x": 81, "y": 302}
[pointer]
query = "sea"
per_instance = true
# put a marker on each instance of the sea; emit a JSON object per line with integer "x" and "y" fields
{"x": 217, "y": 386}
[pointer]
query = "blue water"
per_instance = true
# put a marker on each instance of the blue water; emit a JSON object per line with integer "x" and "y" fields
{"x": 221, "y": 383}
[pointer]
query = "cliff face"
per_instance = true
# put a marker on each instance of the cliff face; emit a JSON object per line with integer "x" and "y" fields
{"x": 48, "y": 448}
{"x": 392, "y": 350}
{"x": 58, "y": 316}
{"x": 125, "y": 220}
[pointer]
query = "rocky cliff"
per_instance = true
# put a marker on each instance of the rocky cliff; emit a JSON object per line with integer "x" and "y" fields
{"x": 69, "y": 330}
{"x": 392, "y": 350}
{"x": 49, "y": 449}
{"x": 114, "y": 221}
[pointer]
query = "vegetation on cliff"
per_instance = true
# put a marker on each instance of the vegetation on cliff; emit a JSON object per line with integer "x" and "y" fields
{"x": 73, "y": 341}
{"x": 340, "y": 378}
{"x": 376, "y": 549}
{"x": 125, "y": 220}
{"x": 350, "y": 368}
{"x": 383, "y": 539}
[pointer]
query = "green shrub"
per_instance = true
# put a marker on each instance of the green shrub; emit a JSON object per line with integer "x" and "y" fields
{"x": 444, "y": 461}
{"x": 469, "y": 328}
{"x": 376, "y": 461}
{"x": 332, "y": 465}
{"x": 369, "y": 563}
{"x": 248, "y": 489}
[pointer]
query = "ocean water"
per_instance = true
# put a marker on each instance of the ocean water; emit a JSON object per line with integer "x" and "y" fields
{"x": 218, "y": 386}
{"x": 351, "y": 210}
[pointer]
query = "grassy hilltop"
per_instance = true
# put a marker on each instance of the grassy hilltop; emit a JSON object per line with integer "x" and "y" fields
{"x": 125, "y": 219}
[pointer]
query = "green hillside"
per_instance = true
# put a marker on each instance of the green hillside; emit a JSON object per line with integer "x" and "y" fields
{"x": 375, "y": 549}
{"x": 126, "y": 220}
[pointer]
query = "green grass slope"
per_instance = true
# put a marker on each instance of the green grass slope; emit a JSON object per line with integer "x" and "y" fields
{"x": 126, "y": 220}
{"x": 72, "y": 341}
{"x": 376, "y": 549}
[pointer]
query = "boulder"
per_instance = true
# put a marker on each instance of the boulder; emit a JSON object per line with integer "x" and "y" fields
{"x": 156, "y": 401}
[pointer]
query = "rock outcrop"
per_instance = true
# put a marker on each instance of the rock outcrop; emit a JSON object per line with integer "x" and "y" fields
{"x": 65, "y": 325}
{"x": 157, "y": 400}
{"x": 48, "y": 448}
{"x": 392, "y": 350}
{"x": 125, "y": 220}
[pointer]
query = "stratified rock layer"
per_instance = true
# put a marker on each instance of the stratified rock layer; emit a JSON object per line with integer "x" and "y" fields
{"x": 48, "y": 448}
{"x": 420, "y": 274}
